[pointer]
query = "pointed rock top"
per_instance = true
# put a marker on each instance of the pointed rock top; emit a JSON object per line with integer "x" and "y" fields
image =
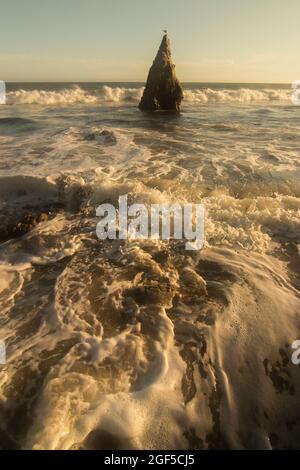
{"x": 165, "y": 45}
{"x": 164, "y": 52}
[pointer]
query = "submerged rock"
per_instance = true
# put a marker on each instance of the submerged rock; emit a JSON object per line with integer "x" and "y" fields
{"x": 163, "y": 90}
{"x": 14, "y": 225}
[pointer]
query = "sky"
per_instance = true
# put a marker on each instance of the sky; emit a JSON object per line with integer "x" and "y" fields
{"x": 116, "y": 40}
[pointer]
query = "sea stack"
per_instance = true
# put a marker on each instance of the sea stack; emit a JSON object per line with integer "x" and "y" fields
{"x": 163, "y": 90}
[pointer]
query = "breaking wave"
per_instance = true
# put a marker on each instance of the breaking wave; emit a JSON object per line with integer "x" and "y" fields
{"x": 107, "y": 94}
{"x": 75, "y": 95}
{"x": 120, "y": 94}
{"x": 251, "y": 223}
{"x": 242, "y": 95}
{"x": 45, "y": 97}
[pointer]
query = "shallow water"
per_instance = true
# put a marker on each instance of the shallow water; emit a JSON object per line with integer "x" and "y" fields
{"x": 141, "y": 344}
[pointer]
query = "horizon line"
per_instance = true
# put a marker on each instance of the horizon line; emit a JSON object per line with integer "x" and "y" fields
{"x": 143, "y": 81}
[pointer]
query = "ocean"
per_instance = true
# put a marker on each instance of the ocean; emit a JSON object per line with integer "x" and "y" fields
{"x": 141, "y": 344}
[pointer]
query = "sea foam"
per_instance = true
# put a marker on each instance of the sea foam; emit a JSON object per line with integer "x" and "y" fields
{"x": 107, "y": 94}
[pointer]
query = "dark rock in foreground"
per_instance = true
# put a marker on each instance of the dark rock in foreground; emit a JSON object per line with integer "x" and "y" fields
{"x": 163, "y": 90}
{"x": 15, "y": 226}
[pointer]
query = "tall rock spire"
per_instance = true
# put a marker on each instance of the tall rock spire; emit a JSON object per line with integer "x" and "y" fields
{"x": 163, "y": 90}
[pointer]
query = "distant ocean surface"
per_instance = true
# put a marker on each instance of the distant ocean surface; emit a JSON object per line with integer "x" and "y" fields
{"x": 141, "y": 344}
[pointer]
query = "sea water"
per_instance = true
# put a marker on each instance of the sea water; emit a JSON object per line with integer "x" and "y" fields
{"x": 139, "y": 343}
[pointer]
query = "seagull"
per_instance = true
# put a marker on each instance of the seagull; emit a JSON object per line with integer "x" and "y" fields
{"x": 165, "y": 31}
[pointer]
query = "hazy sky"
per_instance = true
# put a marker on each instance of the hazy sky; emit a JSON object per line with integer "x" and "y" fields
{"x": 116, "y": 40}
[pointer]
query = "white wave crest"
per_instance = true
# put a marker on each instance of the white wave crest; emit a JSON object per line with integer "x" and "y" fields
{"x": 45, "y": 97}
{"x": 107, "y": 94}
{"x": 119, "y": 94}
{"x": 241, "y": 95}
{"x": 75, "y": 95}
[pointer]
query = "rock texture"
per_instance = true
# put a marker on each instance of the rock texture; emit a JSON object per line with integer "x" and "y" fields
{"x": 163, "y": 90}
